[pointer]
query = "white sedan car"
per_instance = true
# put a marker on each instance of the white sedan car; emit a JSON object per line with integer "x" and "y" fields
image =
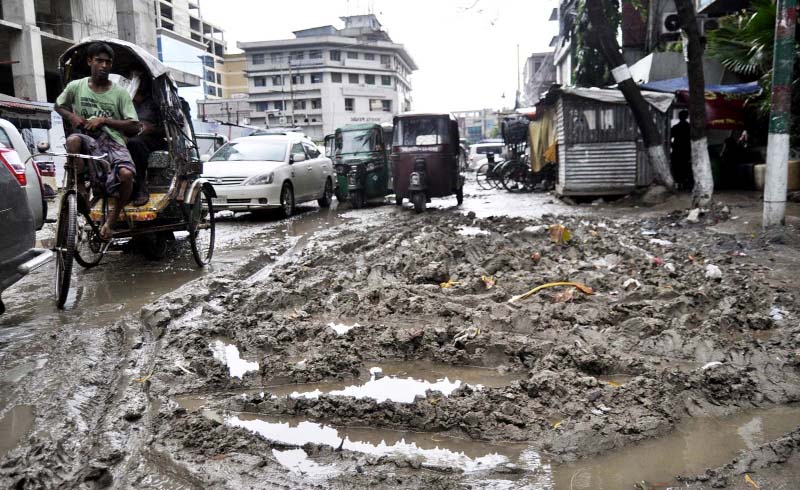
{"x": 269, "y": 172}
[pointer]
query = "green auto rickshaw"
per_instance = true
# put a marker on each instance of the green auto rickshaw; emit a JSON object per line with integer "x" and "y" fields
{"x": 362, "y": 166}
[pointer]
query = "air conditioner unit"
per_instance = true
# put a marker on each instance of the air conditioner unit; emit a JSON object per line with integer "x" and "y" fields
{"x": 282, "y": 120}
{"x": 670, "y": 24}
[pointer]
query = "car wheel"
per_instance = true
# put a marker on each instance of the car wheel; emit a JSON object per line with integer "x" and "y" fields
{"x": 287, "y": 200}
{"x": 327, "y": 198}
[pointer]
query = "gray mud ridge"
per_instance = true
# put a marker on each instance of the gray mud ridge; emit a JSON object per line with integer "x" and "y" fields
{"x": 687, "y": 317}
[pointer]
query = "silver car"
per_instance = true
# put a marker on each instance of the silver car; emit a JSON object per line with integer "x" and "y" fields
{"x": 32, "y": 180}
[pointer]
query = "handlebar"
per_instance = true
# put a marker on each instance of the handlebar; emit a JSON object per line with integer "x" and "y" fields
{"x": 75, "y": 155}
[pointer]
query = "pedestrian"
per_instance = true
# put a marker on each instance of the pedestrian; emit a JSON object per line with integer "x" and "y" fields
{"x": 102, "y": 114}
{"x": 681, "y": 156}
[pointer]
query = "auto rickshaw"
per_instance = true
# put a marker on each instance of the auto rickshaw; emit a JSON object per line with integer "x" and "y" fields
{"x": 180, "y": 200}
{"x": 425, "y": 158}
{"x": 361, "y": 162}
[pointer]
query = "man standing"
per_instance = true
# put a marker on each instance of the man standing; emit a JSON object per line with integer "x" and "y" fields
{"x": 682, "y": 151}
{"x": 104, "y": 114}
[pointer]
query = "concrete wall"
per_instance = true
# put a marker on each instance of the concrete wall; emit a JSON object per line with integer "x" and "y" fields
{"x": 136, "y": 23}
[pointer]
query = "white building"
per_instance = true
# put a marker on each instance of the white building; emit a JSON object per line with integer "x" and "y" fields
{"x": 326, "y": 77}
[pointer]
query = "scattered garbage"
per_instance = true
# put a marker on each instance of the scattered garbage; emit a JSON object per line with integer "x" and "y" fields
{"x": 713, "y": 272}
{"x": 559, "y": 234}
{"x": 669, "y": 267}
{"x": 447, "y": 285}
{"x": 536, "y": 257}
{"x": 631, "y": 283}
{"x": 341, "y": 328}
{"x": 582, "y": 287}
{"x": 659, "y": 241}
{"x": 489, "y": 281}
{"x": 711, "y": 364}
{"x": 693, "y": 216}
{"x": 777, "y": 314}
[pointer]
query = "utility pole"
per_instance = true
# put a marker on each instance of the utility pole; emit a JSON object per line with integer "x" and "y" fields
{"x": 780, "y": 120}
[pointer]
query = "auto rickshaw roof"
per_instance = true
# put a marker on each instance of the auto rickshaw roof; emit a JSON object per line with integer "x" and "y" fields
{"x": 359, "y": 127}
{"x": 122, "y": 50}
{"x": 426, "y": 114}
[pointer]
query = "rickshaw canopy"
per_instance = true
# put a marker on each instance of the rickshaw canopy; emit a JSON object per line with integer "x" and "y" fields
{"x": 127, "y": 56}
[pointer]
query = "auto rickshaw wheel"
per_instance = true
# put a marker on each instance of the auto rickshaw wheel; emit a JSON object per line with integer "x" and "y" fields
{"x": 357, "y": 199}
{"x": 460, "y": 195}
{"x": 287, "y": 201}
{"x": 418, "y": 198}
{"x": 327, "y": 198}
{"x": 201, "y": 227}
{"x": 398, "y": 200}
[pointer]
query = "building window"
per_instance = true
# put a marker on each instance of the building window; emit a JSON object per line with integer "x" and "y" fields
{"x": 210, "y": 90}
{"x": 387, "y": 105}
{"x": 369, "y": 79}
{"x": 369, "y": 56}
{"x": 276, "y": 57}
{"x": 336, "y": 77}
{"x": 262, "y": 106}
{"x": 298, "y": 79}
{"x": 297, "y": 55}
{"x": 316, "y": 103}
{"x": 386, "y": 59}
{"x": 386, "y": 80}
{"x": 316, "y": 78}
{"x": 258, "y": 59}
{"x": 210, "y": 77}
{"x": 315, "y": 55}
{"x": 219, "y": 79}
{"x": 352, "y": 55}
{"x": 278, "y": 105}
{"x": 219, "y": 92}
{"x": 380, "y": 105}
{"x": 349, "y": 104}
{"x": 260, "y": 81}
{"x": 277, "y": 80}
{"x": 299, "y": 104}
{"x": 336, "y": 55}
{"x": 352, "y": 78}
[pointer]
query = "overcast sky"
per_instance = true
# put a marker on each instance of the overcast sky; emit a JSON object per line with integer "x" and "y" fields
{"x": 466, "y": 50}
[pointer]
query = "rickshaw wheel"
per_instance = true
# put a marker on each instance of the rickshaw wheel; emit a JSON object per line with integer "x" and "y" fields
{"x": 418, "y": 198}
{"x": 88, "y": 246}
{"x": 398, "y": 200}
{"x": 201, "y": 228}
{"x": 65, "y": 247}
{"x": 460, "y": 195}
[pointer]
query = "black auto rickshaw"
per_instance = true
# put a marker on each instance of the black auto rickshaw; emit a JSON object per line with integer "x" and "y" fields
{"x": 362, "y": 164}
{"x": 424, "y": 158}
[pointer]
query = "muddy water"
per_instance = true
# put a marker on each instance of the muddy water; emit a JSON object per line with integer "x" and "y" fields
{"x": 228, "y": 354}
{"x": 14, "y": 426}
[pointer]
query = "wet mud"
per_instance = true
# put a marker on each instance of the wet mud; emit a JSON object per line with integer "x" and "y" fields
{"x": 387, "y": 350}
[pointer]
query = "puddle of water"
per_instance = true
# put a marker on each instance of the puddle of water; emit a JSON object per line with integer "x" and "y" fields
{"x": 471, "y": 231}
{"x": 13, "y": 427}
{"x": 432, "y": 449}
{"x": 401, "y": 382}
{"x": 697, "y": 444}
{"x": 298, "y": 462}
{"x": 341, "y": 328}
{"x": 15, "y": 374}
{"x": 228, "y": 354}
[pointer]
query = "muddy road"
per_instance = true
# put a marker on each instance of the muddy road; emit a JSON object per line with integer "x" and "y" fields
{"x": 383, "y": 349}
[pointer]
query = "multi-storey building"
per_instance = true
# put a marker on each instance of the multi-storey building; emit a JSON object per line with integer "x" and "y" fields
{"x": 34, "y": 33}
{"x": 189, "y": 43}
{"x": 326, "y": 77}
{"x": 540, "y": 74}
{"x": 477, "y": 125}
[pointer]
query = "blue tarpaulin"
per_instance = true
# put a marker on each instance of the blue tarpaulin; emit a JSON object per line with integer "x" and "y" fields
{"x": 673, "y": 85}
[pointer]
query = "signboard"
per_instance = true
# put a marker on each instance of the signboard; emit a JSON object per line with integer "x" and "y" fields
{"x": 375, "y": 104}
{"x": 723, "y": 111}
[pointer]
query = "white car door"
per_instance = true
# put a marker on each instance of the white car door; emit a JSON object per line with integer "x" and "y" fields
{"x": 301, "y": 175}
{"x": 317, "y": 162}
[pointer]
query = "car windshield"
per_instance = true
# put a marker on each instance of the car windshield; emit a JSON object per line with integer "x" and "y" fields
{"x": 420, "y": 131}
{"x": 356, "y": 141}
{"x": 483, "y": 150}
{"x": 251, "y": 150}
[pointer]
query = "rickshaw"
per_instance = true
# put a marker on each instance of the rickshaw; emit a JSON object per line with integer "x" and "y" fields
{"x": 425, "y": 159}
{"x": 180, "y": 201}
{"x": 362, "y": 164}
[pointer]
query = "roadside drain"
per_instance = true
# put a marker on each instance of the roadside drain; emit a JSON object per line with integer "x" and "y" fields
{"x": 426, "y": 448}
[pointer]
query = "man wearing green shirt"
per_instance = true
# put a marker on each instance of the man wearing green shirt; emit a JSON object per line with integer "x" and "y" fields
{"x": 102, "y": 114}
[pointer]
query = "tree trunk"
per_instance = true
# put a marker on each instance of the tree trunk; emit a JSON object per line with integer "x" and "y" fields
{"x": 602, "y": 37}
{"x": 701, "y": 165}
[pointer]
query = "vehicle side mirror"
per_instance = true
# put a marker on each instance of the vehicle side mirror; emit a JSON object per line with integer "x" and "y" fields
{"x": 43, "y": 146}
{"x": 297, "y": 157}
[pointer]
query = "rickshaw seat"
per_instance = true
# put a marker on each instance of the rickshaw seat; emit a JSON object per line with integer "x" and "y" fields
{"x": 158, "y": 159}
{"x": 147, "y": 212}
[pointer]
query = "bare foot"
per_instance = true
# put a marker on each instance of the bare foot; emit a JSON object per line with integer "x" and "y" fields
{"x": 106, "y": 232}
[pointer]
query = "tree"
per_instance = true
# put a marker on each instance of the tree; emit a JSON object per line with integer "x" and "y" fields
{"x": 701, "y": 165}
{"x": 603, "y": 38}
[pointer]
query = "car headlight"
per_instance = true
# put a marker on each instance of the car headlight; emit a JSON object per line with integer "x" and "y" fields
{"x": 260, "y": 179}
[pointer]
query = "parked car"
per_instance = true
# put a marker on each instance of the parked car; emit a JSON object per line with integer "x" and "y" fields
{"x": 30, "y": 179}
{"x": 479, "y": 151}
{"x": 269, "y": 172}
{"x": 17, "y": 255}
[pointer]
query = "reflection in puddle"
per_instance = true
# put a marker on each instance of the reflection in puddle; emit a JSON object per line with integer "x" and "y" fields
{"x": 401, "y": 382}
{"x": 298, "y": 462}
{"x": 341, "y": 328}
{"x": 13, "y": 427}
{"x": 228, "y": 354}
{"x": 432, "y": 449}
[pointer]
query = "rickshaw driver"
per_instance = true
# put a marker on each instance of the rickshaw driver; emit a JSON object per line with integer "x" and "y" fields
{"x": 105, "y": 111}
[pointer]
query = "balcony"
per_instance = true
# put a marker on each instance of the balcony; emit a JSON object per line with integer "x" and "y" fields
{"x": 304, "y": 63}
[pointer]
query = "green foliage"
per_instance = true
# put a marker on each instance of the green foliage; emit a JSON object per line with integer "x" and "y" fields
{"x": 590, "y": 68}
